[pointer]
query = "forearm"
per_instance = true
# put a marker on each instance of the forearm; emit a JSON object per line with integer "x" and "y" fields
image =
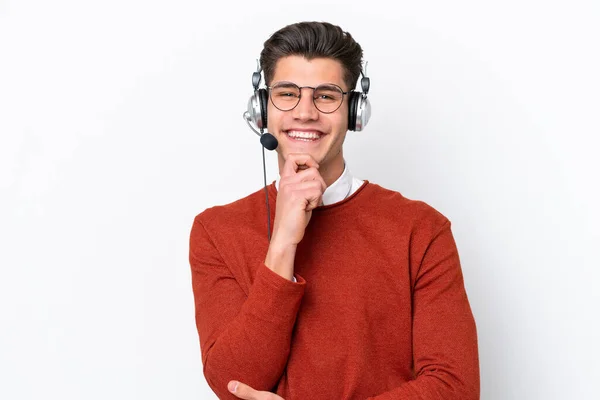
{"x": 435, "y": 385}
{"x": 244, "y": 327}
{"x": 254, "y": 346}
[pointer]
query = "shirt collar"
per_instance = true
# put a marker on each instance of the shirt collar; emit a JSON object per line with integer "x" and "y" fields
{"x": 338, "y": 190}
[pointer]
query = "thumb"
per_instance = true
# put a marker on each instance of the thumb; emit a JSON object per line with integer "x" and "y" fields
{"x": 241, "y": 390}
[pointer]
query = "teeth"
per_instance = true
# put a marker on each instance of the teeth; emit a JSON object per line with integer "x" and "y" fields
{"x": 303, "y": 135}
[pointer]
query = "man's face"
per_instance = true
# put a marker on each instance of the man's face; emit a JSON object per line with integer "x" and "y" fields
{"x": 330, "y": 129}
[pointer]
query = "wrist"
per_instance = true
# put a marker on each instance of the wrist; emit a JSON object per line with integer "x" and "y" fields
{"x": 280, "y": 259}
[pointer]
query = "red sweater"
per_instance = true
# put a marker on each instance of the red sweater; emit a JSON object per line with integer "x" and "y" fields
{"x": 379, "y": 310}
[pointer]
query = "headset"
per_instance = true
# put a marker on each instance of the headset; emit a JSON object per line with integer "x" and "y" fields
{"x": 359, "y": 107}
{"x": 359, "y": 113}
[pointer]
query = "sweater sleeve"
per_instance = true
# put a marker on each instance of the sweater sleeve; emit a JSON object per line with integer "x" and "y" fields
{"x": 445, "y": 355}
{"x": 243, "y": 336}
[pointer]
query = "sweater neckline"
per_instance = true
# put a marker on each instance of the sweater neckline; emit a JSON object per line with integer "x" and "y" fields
{"x": 341, "y": 203}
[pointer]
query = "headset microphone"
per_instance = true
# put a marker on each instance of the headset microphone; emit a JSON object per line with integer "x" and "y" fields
{"x": 268, "y": 141}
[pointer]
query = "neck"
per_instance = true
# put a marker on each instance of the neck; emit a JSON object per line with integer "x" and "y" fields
{"x": 331, "y": 173}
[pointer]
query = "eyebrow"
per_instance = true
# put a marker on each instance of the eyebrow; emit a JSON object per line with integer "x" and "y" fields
{"x": 287, "y": 84}
{"x": 331, "y": 86}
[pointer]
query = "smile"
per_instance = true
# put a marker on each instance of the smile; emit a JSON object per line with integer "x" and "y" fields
{"x": 304, "y": 136}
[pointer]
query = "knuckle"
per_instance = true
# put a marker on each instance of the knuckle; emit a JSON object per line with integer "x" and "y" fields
{"x": 312, "y": 172}
{"x": 312, "y": 193}
{"x": 316, "y": 185}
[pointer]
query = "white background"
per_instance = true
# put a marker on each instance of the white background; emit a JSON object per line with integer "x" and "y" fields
{"x": 120, "y": 120}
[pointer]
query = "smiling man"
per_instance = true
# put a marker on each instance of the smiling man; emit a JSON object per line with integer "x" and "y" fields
{"x": 307, "y": 111}
{"x": 359, "y": 292}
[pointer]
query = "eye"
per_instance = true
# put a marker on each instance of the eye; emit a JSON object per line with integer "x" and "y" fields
{"x": 286, "y": 94}
{"x": 325, "y": 97}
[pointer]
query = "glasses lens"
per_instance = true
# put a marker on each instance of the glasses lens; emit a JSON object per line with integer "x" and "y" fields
{"x": 328, "y": 98}
{"x": 285, "y": 95}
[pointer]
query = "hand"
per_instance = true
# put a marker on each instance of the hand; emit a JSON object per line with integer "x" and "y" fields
{"x": 300, "y": 191}
{"x": 243, "y": 391}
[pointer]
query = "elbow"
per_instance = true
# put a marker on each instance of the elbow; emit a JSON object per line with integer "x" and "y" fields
{"x": 466, "y": 392}
{"x": 449, "y": 385}
{"x": 218, "y": 383}
{"x": 462, "y": 388}
{"x": 263, "y": 375}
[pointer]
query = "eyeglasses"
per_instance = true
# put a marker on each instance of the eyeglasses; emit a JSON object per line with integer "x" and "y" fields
{"x": 286, "y": 96}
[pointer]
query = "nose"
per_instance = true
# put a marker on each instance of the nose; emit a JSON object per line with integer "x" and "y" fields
{"x": 306, "y": 110}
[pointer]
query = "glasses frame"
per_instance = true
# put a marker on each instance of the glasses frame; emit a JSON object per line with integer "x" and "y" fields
{"x": 313, "y": 95}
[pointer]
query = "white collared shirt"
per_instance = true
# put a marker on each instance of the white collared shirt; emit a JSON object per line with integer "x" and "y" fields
{"x": 343, "y": 187}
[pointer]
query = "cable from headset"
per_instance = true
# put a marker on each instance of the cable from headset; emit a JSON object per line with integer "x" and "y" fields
{"x": 266, "y": 195}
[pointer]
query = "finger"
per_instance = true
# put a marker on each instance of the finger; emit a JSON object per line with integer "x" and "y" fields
{"x": 295, "y": 160}
{"x": 314, "y": 198}
{"x": 305, "y": 190}
{"x": 306, "y": 195}
{"x": 310, "y": 174}
{"x": 242, "y": 390}
{"x": 307, "y": 174}
{"x": 302, "y": 192}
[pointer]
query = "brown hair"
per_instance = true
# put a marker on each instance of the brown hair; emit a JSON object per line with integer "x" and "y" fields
{"x": 313, "y": 40}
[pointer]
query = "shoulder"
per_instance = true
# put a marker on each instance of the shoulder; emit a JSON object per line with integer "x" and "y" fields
{"x": 417, "y": 213}
{"x": 236, "y": 213}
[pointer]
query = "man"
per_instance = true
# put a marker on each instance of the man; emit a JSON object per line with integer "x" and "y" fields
{"x": 359, "y": 292}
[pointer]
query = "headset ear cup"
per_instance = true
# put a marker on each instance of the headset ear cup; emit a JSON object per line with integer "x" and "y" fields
{"x": 363, "y": 113}
{"x": 263, "y": 99}
{"x": 352, "y": 104}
